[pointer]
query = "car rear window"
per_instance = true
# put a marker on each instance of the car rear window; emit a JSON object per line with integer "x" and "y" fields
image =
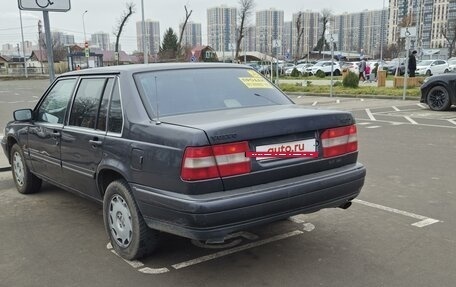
{"x": 183, "y": 91}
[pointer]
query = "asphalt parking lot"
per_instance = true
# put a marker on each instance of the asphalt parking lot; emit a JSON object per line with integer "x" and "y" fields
{"x": 399, "y": 232}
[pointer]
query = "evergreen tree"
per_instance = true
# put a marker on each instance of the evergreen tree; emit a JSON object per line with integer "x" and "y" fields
{"x": 169, "y": 47}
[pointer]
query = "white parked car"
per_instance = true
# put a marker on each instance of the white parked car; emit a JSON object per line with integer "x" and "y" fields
{"x": 300, "y": 67}
{"x": 452, "y": 64}
{"x": 432, "y": 67}
{"x": 324, "y": 66}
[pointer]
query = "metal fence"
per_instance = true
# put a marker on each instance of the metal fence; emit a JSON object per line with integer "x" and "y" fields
{"x": 21, "y": 71}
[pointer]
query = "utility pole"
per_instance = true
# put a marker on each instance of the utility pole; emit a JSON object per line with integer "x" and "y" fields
{"x": 23, "y": 45}
{"x": 39, "y": 45}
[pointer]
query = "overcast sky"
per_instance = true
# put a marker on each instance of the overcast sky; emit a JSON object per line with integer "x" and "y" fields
{"x": 102, "y": 15}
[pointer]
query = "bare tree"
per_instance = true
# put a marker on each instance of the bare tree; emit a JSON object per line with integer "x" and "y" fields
{"x": 325, "y": 17}
{"x": 123, "y": 20}
{"x": 449, "y": 33}
{"x": 246, "y": 8}
{"x": 300, "y": 32}
{"x": 179, "y": 44}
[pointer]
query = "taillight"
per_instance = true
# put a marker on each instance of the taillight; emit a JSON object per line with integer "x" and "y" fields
{"x": 215, "y": 161}
{"x": 339, "y": 141}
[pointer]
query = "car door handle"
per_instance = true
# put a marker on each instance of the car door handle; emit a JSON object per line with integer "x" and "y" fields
{"x": 95, "y": 142}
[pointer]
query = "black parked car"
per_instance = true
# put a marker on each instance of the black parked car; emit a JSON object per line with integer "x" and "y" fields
{"x": 439, "y": 92}
{"x": 185, "y": 149}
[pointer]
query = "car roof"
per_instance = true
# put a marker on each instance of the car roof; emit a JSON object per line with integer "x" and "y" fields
{"x": 136, "y": 68}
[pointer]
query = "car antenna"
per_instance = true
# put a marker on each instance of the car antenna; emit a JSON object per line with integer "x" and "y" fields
{"x": 156, "y": 99}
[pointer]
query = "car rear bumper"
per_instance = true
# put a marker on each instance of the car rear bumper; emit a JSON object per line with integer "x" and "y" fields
{"x": 215, "y": 215}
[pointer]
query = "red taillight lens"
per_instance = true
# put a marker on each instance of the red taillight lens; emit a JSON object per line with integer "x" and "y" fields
{"x": 339, "y": 141}
{"x": 215, "y": 161}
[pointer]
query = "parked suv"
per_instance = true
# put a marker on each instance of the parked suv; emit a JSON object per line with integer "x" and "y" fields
{"x": 196, "y": 150}
{"x": 325, "y": 67}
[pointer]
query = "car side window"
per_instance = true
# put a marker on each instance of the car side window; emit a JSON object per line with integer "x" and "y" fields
{"x": 103, "y": 112}
{"x": 115, "y": 120}
{"x": 87, "y": 103}
{"x": 54, "y": 106}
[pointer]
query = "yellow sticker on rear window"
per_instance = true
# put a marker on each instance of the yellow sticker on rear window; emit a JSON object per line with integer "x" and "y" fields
{"x": 256, "y": 83}
{"x": 254, "y": 74}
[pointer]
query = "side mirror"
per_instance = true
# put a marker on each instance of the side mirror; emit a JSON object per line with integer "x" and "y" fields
{"x": 23, "y": 115}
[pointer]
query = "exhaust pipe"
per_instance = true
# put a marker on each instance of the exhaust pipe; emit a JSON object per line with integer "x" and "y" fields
{"x": 345, "y": 205}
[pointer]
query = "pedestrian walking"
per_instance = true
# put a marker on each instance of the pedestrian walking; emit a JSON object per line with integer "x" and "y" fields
{"x": 362, "y": 67}
{"x": 412, "y": 64}
{"x": 367, "y": 73}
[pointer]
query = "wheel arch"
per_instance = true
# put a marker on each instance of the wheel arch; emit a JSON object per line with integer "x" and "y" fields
{"x": 11, "y": 140}
{"x": 107, "y": 175}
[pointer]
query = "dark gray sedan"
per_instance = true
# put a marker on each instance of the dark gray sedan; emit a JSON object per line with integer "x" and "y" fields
{"x": 196, "y": 150}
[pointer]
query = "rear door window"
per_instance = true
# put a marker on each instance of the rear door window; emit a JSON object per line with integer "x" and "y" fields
{"x": 84, "y": 112}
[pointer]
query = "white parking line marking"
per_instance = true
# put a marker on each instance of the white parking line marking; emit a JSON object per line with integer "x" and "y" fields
{"x": 373, "y": 127}
{"x": 148, "y": 270}
{"x": 397, "y": 123}
{"x": 362, "y": 100}
{"x": 410, "y": 120}
{"x": 17, "y": 102}
{"x": 235, "y": 250}
{"x": 370, "y": 115}
{"x": 337, "y": 101}
{"x": 422, "y": 106}
{"x": 314, "y": 104}
{"x": 452, "y": 121}
{"x": 363, "y": 124}
{"x": 32, "y": 101}
{"x": 299, "y": 97}
{"x": 138, "y": 264}
{"x": 396, "y": 109}
{"x": 424, "y": 221}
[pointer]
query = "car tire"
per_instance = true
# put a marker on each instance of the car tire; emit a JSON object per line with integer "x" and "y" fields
{"x": 336, "y": 73}
{"x": 438, "y": 98}
{"x": 130, "y": 237}
{"x": 446, "y": 71}
{"x": 26, "y": 182}
{"x": 428, "y": 73}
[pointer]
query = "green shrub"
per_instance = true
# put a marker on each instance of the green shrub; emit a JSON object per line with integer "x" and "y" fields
{"x": 320, "y": 74}
{"x": 309, "y": 83}
{"x": 337, "y": 84}
{"x": 306, "y": 74}
{"x": 351, "y": 80}
{"x": 295, "y": 73}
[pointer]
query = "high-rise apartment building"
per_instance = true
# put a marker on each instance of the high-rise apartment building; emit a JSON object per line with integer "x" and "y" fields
{"x": 430, "y": 18}
{"x": 312, "y": 29}
{"x": 249, "y": 42}
{"x": 269, "y": 31}
{"x": 192, "y": 34}
{"x": 62, "y": 39}
{"x": 361, "y": 32}
{"x": 152, "y": 36}
{"x": 101, "y": 40}
{"x": 221, "y": 28}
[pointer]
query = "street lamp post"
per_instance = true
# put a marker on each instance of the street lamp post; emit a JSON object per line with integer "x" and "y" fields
{"x": 83, "y": 25}
{"x": 85, "y": 38}
{"x": 380, "y": 66}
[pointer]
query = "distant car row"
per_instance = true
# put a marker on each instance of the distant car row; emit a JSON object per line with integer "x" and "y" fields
{"x": 423, "y": 68}
{"x": 313, "y": 69}
{"x": 393, "y": 67}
